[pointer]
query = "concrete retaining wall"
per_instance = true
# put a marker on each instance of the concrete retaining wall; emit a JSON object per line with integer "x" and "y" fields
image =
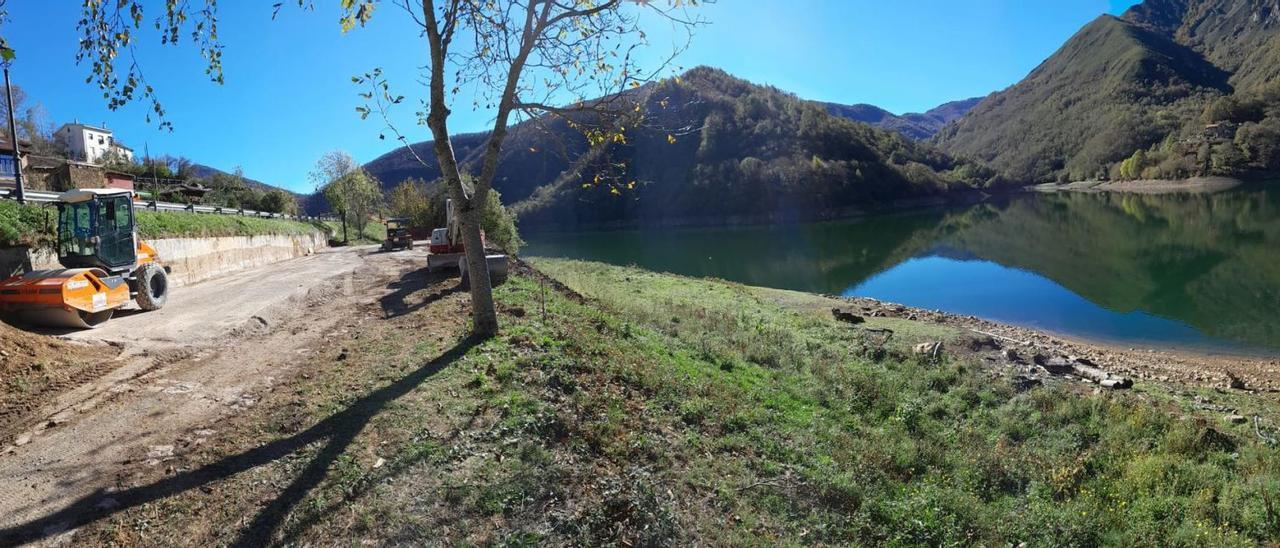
{"x": 191, "y": 259}
{"x": 20, "y": 260}
{"x": 197, "y": 259}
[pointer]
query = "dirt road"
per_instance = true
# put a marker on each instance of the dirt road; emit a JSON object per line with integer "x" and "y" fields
{"x": 219, "y": 307}
{"x": 205, "y": 356}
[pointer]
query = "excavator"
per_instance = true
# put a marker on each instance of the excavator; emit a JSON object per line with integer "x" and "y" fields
{"x": 106, "y": 266}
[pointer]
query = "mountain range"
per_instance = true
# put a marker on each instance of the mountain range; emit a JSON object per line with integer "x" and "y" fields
{"x": 714, "y": 148}
{"x": 918, "y": 126}
{"x": 1145, "y": 86}
{"x": 1169, "y": 89}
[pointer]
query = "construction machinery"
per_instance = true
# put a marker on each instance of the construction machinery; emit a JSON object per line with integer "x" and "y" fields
{"x": 446, "y": 247}
{"x": 447, "y": 251}
{"x": 398, "y": 236}
{"x": 106, "y": 266}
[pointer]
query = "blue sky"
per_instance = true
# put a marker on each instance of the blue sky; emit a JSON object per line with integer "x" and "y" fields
{"x": 288, "y": 96}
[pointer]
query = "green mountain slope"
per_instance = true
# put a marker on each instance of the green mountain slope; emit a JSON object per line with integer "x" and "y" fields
{"x": 714, "y": 149}
{"x": 400, "y": 164}
{"x": 1237, "y": 35}
{"x": 1144, "y": 95}
{"x": 204, "y": 172}
{"x": 1113, "y": 88}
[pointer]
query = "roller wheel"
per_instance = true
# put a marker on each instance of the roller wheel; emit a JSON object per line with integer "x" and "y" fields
{"x": 153, "y": 287}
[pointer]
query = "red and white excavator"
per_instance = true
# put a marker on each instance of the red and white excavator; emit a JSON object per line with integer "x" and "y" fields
{"x": 447, "y": 250}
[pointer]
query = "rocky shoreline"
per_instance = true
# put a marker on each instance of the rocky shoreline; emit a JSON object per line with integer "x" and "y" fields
{"x": 1041, "y": 351}
{"x": 1145, "y": 186}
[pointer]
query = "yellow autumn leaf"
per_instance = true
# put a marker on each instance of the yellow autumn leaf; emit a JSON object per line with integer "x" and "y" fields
{"x": 671, "y": 139}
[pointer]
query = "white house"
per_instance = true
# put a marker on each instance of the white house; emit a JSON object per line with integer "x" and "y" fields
{"x": 89, "y": 143}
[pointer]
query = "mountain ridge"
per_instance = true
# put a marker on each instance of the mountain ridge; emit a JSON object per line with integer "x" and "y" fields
{"x": 204, "y": 171}
{"x": 915, "y": 125}
{"x": 745, "y": 151}
{"x": 1145, "y": 81}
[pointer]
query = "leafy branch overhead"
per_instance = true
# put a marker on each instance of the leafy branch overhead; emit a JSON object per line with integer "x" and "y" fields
{"x": 6, "y": 53}
{"x": 577, "y": 62}
{"x": 109, "y": 32}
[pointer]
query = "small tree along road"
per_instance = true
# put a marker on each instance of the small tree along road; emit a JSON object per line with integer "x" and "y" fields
{"x": 521, "y": 58}
{"x": 352, "y": 193}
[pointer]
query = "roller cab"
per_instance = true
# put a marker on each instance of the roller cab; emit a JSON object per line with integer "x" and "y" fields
{"x": 106, "y": 266}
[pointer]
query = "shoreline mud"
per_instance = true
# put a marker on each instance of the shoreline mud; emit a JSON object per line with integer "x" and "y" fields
{"x": 1164, "y": 365}
{"x": 1196, "y": 185}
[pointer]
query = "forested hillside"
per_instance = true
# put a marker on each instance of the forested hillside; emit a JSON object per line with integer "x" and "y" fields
{"x": 1173, "y": 88}
{"x": 916, "y": 125}
{"x": 713, "y": 148}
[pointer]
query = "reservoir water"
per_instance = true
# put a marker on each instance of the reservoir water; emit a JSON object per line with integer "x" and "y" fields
{"x": 1199, "y": 271}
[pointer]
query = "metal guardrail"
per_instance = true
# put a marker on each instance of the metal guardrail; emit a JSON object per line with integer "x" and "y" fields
{"x": 151, "y": 205}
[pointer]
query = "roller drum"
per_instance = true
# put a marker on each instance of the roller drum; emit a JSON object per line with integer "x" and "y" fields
{"x": 61, "y": 317}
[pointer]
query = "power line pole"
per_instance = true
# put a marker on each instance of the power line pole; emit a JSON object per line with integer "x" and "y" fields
{"x": 19, "y": 192}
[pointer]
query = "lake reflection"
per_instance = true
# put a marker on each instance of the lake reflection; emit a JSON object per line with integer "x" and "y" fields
{"x": 1186, "y": 270}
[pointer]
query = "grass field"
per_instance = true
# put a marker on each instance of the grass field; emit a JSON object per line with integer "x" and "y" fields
{"x": 153, "y": 224}
{"x": 667, "y": 410}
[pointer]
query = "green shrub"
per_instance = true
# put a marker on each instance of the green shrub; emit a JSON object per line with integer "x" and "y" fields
{"x": 25, "y": 224}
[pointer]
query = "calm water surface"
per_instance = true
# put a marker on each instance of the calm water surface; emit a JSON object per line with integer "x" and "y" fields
{"x": 1191, "y": 271}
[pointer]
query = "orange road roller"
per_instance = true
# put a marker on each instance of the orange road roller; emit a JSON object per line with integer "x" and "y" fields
{"x": 106, "y": 266}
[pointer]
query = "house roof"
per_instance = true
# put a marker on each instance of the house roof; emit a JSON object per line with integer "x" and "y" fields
{"x": 84, "y": 126}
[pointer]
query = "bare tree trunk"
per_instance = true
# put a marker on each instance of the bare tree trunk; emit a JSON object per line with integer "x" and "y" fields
{"x": 484, "y": 319}
{"x": 344, "y": 228}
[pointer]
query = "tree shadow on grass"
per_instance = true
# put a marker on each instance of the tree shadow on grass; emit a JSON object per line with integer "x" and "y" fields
{"x": 395, "y": 304}
{"x": 337, "y": 432}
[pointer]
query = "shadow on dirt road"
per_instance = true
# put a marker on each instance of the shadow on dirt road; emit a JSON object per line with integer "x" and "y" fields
{"x": 337, "y": 432}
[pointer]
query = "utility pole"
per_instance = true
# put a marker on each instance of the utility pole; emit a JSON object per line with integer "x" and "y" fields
{"x": 19, "y": 192}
